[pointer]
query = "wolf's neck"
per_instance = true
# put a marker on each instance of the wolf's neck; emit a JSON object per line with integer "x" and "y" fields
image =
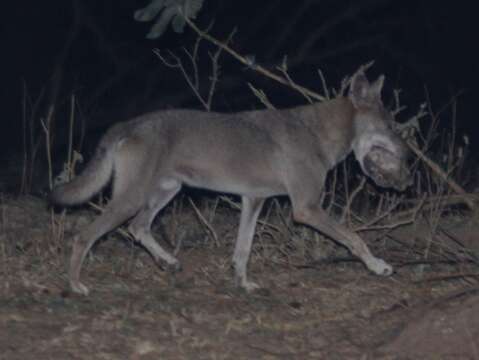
{"x": 332, "y": 123}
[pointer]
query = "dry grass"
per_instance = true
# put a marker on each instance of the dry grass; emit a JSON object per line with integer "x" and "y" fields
{"x": 329, "y": 308}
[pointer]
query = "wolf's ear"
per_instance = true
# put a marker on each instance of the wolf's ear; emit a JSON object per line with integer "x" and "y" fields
{"x": 363, "y": 94}
{"x": 377, "y": 87}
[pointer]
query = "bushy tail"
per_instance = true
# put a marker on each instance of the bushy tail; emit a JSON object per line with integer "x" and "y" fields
{"x": 92, "y": 179}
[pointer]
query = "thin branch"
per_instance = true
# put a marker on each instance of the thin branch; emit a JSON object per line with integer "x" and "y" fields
{"x": 436, "y": 168}
{"x": 261, "y": 96}
{"x": 412, "y": 212}
{"x": 244, "y": 60}
{"x": 216, "y": 69}
{"x": 179, "y": 65}
{"x": 205, "y": 222}
{"x": 350, "y": 199}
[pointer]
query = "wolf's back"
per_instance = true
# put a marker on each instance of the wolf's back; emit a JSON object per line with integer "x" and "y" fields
{"x": 91, "y": 180}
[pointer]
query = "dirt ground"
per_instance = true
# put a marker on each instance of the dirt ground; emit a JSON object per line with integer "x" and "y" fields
{"x": 330, "y": 309}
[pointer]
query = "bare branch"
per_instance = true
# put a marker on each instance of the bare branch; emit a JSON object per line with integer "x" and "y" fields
{"x": 441, "y": 173}
{"x": 411, "y": 217}
{"x": 179, "y": 65}
{"x": 256, "y": 67}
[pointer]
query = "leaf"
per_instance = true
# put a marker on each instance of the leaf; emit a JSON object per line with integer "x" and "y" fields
{"x": 160, "y": 26}
{"x": 178, "y": 23}
{"x": 173, "y": 11}
{"x": 149, "y": 12}
{"x": 191, "y": 8}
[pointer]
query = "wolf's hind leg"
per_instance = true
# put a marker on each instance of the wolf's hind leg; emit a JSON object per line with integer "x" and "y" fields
{"x": 116, "y": 212}
{"x": 140, "y": 227}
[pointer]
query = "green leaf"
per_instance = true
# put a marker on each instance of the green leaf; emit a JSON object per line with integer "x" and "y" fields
{"x": 149, "y": 12}
{"x": 160, "y": 26}
{"x": 172, "y": 11}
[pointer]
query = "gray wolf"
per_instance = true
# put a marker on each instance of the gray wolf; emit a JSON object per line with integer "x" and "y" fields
{"x": 254, "y": 154}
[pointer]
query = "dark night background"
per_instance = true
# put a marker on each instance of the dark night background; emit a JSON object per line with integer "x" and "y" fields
{"x": 97, "y": 51}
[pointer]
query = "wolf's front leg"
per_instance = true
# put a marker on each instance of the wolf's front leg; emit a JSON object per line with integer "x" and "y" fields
{"x": 251, "y": 207}
{"x": 313, "y": 215}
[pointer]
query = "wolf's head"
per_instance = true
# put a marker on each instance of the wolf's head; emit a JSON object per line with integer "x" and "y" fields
{"x": 381, "y": 152}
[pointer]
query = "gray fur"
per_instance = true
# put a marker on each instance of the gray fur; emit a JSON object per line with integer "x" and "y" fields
{"x": 255, "y": 154}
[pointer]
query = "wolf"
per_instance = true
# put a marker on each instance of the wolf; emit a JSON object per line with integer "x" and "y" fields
{"x": 254, "y": 154}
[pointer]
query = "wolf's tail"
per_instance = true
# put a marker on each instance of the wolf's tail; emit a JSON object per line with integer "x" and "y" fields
{"x": 91, "y": 180}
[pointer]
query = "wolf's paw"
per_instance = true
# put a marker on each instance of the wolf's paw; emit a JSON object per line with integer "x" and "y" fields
{"x": 380, "y": 267}
{"x": 78, "y": 288}
{"x": 248, "y": 286}
{"x": 171, "y": 267}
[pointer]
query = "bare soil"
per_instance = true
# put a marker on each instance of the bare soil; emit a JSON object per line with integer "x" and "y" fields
{"x": 306, "y": 310}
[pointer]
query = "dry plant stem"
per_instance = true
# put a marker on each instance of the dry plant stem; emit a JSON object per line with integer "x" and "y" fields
{"x": 333, "y": 191}
{"x": 288, "y": 223}
{"x": 323, "y": 83}
{"x": 205, "y": 222}
{"x": 469, "y": 290}
{"x": 214, "y": 74}
{"x": 261, "y": 96}
{"x": 177, "y": 209}
{"x": 412, "y": 215}
{"x": 441, "y": 251}
{"x": 397, "y": 106}
{"x": 451, "y": 199}
{"x": 446, "y": 200}
{"x": 194, "y": 83}
{"x": 58, "y": 226}
{"x": 269, "y": 210}
{"x": 452, "y": 184}
{"x": 435, "y": 115}
{"x": 447, "y": 277}
{"x": 430, "y": 163}
{"x": 212, "y": 211}
{"x": 46, "y": 128}
{"x": 347, "y": 209}
{"x": 30, "y": 146}
{"x": 194, "y": 56}
{"x": 432, "y": 129}
{"x": 238, "y": 207}
{"x": 179, "y": 65}
{"x": 469, "y": 253}
{"x": 380, "y": 205}
{"x": 433, "y": 221}
{"x": 292, "y": 84}
{"x": 411, "y": 253}
{"x": 256, "y": 67}
{"x": 70, "y": 138}
{"x": 452, "y": 140}
{"x": 346, "y": 191}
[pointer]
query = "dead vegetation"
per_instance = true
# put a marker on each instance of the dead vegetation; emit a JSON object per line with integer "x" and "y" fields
{"x": 317, "y": 302}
